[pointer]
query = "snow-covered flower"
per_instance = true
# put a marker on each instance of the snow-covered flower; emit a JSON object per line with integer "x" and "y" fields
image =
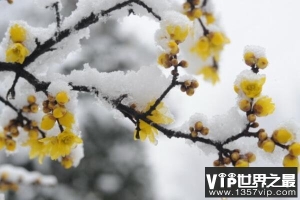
{"x": 16, "y": 53}
{"x": 160, "y": 116}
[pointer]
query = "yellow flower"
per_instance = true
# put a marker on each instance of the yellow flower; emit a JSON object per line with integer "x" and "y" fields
{"x": 59, "y": 111}
{"x": 210, "y": 74}
{"x": 159, "y": 116}
{"x": 67, "y": 120}
{"x": 262, "y": 63}
{"x": 290, "y": 161}
{"x": 10, "y": 144}
{"x": 173, "y": 47}
{"x": 48, "y": 122}
{"x": 17, "y": 33}
{"x": 178, "y": 33}
{"x": 294, "y": 149}
{"x": 61, "y": 145}
{"x": 163, "y": 60}
{"x": 282, "y": 135}
{"x": 268, "y": 145}
{"x": 249, "y": 58}
{"x": 236, "y": 89}
{"x": 252, "y": 88}
{"x": 209, "y": 18}
{"x": 16, "y": 53}
{"x": 37, "y": 149}
{"x": 202, "y": 48}
{"x": 263, "y": 107}
{"x": 218, "y": 41}
{"x": 210, "y": 45}
{"x": 66, "y": 162}
{"x": 62, "y": 98}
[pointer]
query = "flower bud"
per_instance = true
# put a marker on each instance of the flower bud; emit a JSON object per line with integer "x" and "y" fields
{"x": 268, "y": 145}
{"x": 294, "y": 149}
{"x": 242, "y": 163}
{"x": 245, "y": 105}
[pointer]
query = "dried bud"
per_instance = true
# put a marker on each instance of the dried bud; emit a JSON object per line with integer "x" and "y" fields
{"x": 255, "y": 125}
{"x": 26, "y": 127}
{"x": 34, "y": 108}
{"x": 133, "y": 106}
{"x": 192, "y": 129}
{"x": 186, "y": 6}
{"x": 13, "y": 129}
{"x": 51, "y": 98}
{"x": 190, "y": 91}
{"x": 250, "y": 157}
{"x": 34, "y": 123}
{"x": 204, "y": 131}
{"x": 187, "y": 83}
{"x": 183, "y": 64}
{"x": 46, "y": 110}
{"x": 45, "y": 103}
{"x": 174, "y": 62}
{"x": 251, "y": 118}
{"x": 183, "y": 88}
{"x": 227, "y": 160}
{"x": 244, "y": 105}
{"x": 259, "y": 143}
{"x": 262, "y": 135}
{"x": 237, "y": 150}
{"x": 51, "y": 105}
{"x": 26, "y": 109}
{"x": 196, "y": 2}
{"x": 194, "y": 84}
{"x": 198, "y": 126}
{"x": 15, "y": 134}
{"x": 216, "y": 163}
{"x": 235, "y": 156}
{"x": 194, "y": 134}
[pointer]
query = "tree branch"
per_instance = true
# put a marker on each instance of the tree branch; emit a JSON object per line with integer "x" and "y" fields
{"x": 20, "y": 115}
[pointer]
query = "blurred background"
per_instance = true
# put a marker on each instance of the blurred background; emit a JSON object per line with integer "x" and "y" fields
{"x": 115, "y": 166}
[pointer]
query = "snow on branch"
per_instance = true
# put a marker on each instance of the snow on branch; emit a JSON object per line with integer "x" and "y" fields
{"x": 40, "y": 107}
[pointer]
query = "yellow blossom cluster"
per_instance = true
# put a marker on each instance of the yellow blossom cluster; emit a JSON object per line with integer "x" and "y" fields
{"x": 210, "y": 73}
{"x": 159, "y": 116}
{"x": 259, "y": 61}
{"x": 249, "y": 89}
{"x": 17, "y": 52}
{"x": 177, "y": 34}
{"x": 55, "y": 110}
{"x": 193, "y": 10}
{"x": 283, "y": 135}
{"x": 58, "y": 146}
{"x": 210, "y": 45}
